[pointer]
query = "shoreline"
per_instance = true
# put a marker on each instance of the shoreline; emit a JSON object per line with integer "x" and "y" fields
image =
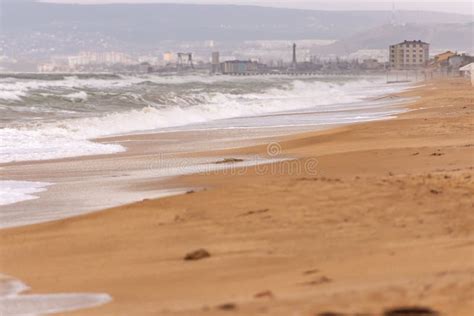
{"x": 82, "y": 185}
{"x": 268, "y": 232}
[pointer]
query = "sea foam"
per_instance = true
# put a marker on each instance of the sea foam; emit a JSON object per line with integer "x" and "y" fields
{"x": 74, "y": 133}
{"x": 16, "y": 191}
{"x": 14, "y": 303}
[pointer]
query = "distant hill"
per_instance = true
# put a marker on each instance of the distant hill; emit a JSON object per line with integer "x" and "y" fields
{"x": 142, "y": 23}
{"x": 36, "y": 29}
{"x": 453, "y": 36}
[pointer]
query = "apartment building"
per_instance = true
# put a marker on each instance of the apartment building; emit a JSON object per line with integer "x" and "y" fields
{"x": 409, "y": 55}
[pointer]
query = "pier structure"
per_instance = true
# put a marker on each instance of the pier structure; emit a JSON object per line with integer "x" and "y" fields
{"x": 185, "y": 60}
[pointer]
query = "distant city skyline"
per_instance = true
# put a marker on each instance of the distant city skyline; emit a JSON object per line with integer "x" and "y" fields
{"x": 463, "y": 7}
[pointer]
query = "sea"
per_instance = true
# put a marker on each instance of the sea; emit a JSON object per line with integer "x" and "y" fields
{"x": 53, "y": 116}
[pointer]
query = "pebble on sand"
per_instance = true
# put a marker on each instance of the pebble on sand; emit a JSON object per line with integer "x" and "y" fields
{"x": 197, "y": 255}
{"x": 227, "y": 306}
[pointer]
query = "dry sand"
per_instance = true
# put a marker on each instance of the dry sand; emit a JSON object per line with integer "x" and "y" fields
{"x": 383, "y": 219}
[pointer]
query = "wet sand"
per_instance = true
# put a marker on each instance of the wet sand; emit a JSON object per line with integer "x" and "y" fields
{"x": 369, "y": 217}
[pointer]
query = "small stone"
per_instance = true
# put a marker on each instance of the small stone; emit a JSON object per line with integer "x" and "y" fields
{"x": 197, "y": 255}
{"x": 321, "y": 280}
{"x": 264, "y": 294}
{"x": 227, "y": 306}
{"x": 410, "y": 311}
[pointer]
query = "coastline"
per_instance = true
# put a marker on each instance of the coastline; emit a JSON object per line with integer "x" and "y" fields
{"x": 385, "y": 196}
{"x": 71, "y": 186}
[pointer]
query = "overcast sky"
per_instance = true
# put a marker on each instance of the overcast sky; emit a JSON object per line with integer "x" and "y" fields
{"x": 462, "y": 6}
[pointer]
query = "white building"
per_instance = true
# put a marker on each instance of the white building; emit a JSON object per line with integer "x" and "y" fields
{"x": 468, "y": 70}
{"x": 93, "y": 58}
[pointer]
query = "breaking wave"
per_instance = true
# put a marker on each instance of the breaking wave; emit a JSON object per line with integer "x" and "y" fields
{"x": 56, "y": 118}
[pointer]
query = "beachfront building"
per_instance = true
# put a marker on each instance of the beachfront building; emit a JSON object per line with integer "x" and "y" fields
{"x": 409, "y": 55}
{"x": 459, "y": 60}
{"x": 240, "y": 67}
{"x": 468, "y": 72}
{"x": 443, "y": 57}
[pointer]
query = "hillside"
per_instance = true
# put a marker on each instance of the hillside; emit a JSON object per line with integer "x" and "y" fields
{"x": 151, "y": 22}
{"x": 454, "y": 36}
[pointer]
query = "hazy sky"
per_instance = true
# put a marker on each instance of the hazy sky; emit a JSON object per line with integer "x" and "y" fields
{"x": 462, "y": 6}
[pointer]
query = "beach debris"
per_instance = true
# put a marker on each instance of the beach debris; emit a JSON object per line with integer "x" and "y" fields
{"x": 264, "y": 294}
{"x": 331, "y": 179}
{"x": 324, "y": 179}
{"x": 433, "y": 191}
{"x": 229, "y": 160}
{"x": 197, "y": 255}
{"x": 410, "y": 311}
{"x": 312, "y": 271}
{"x": 330, "y": 314}
{"x": 415, "y": 154}
{"x": 321, "y": 280}
{"x": 190, "y": 192}
{"x": 437, "y": 153}
{"x": 255, "y": 212}
{"x": 227, "y": 306}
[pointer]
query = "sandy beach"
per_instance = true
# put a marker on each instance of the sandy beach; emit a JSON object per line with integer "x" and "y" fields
{"x": 369, "y": 217}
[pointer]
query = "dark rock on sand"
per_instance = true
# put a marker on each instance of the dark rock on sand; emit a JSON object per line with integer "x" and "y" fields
{"x": 330, "y": 314}
{"x": 197, "y": 255}
{"x": 410, "y": 311}
{"x": 255, "y": 212}
{"x": 264, "y": 294}
{"x": 321, "y": 280}
{"x": 227, "y": 306}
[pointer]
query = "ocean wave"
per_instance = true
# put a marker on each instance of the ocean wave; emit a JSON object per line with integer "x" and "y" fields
{"x": 24, "y": 86}
{"x": 12, "y": 95}
{"x": 145, "y": 111}
{"x": 79, "y": 96}
{"x": 16, "y": 191}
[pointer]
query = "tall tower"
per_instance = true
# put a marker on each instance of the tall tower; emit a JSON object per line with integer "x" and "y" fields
{"x": 294, "y": 55}
{"x": 394, "y": 16}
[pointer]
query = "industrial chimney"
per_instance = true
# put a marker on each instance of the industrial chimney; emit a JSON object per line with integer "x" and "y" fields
{"x": 294, "y": 55}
